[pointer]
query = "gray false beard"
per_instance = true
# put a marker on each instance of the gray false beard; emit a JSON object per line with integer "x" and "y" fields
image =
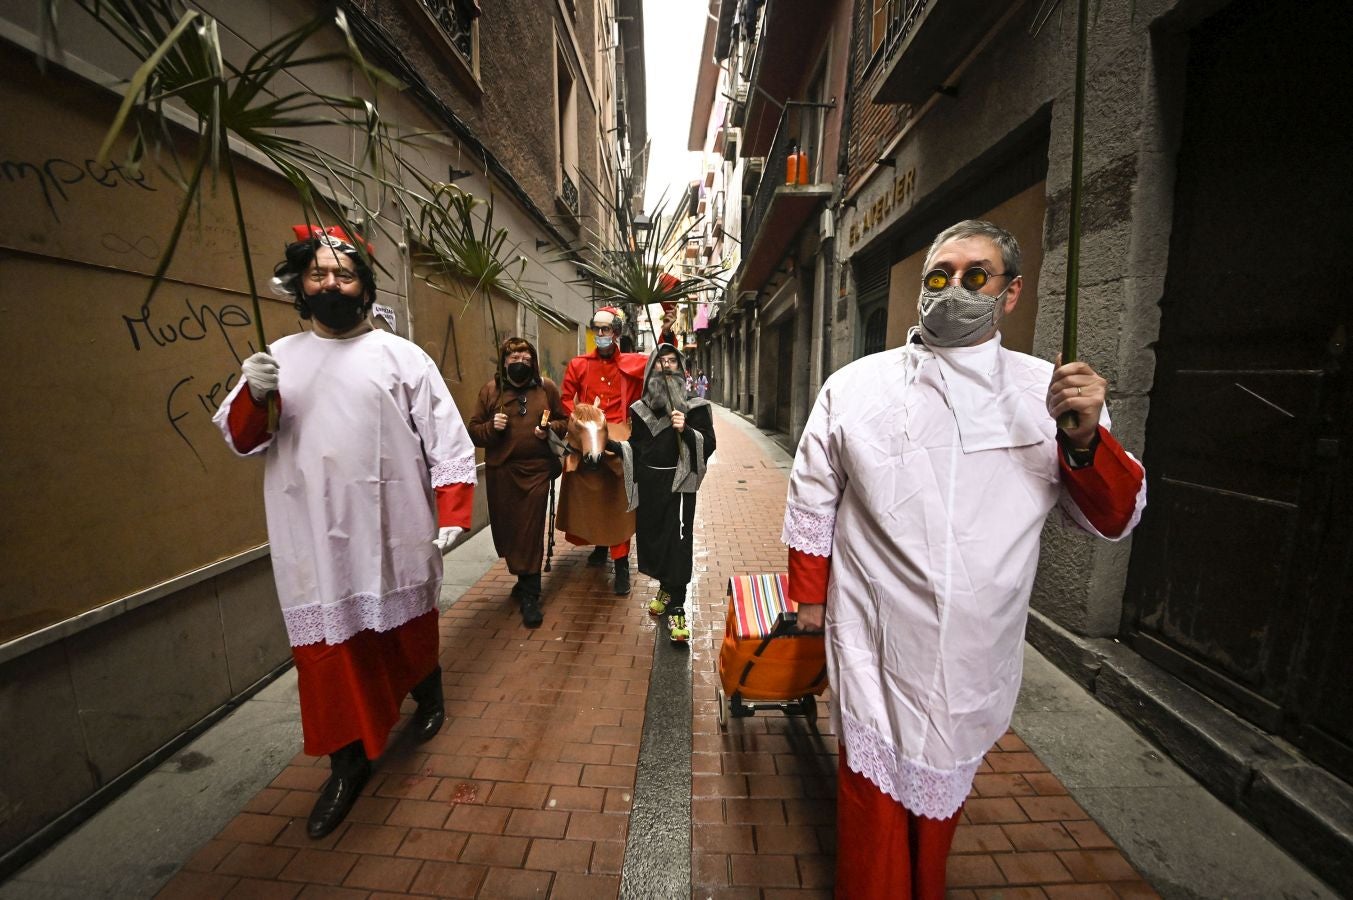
{"x": 659, "y": 396}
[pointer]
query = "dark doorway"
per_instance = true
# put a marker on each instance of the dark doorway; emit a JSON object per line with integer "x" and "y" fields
{"x": 784, "y": 375}
{"x": 1240, "y": 577}
{"x": 875, "y": 331}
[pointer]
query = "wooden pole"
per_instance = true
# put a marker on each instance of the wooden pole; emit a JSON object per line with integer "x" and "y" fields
{"x": 1073, "y": 245}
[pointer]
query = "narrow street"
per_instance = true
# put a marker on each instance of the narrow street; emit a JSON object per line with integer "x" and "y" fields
{"x": 551, "y": 778}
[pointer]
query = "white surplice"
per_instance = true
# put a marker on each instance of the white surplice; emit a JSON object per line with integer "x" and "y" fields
{"x": 926, "y": 475}
{"x": 367, "y": 431}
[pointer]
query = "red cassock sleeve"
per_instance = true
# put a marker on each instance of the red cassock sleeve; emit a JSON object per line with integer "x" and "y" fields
{"x": 455, "y": 504}
{"x": 1105, "y": 491}
{"x": 572, "y": 384}
{"x": 808, "y": 576}
{"x": 248, "y": 420}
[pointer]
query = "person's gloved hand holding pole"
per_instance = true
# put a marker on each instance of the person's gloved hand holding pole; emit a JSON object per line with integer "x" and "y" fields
{"x": 260, "y": 372}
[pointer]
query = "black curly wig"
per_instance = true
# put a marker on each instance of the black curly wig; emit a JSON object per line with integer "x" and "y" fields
{"x": 299, "y": 256}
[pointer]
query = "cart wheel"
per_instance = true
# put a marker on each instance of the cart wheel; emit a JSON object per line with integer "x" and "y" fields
{"x": 809, "y": 706}
{"x": 723, "y": 707}
{"x": 736, "y": 709}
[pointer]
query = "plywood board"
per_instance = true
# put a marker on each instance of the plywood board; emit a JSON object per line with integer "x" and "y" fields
{"x": 116, "y": 480}
{"x": 556, "y": 347}
{"x": 455, "y": 328}
{"x": 1022, "y": 216}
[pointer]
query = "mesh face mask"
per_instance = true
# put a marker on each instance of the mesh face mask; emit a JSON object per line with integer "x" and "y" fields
{"x": 955, "y": 316}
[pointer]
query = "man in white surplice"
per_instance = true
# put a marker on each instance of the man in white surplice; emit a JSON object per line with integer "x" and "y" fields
{"x": 917, "y": 497}
{"x": 369, "y": 475}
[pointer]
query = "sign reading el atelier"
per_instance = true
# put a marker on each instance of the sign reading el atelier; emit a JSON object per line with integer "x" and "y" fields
{"x": 904, "y": 186}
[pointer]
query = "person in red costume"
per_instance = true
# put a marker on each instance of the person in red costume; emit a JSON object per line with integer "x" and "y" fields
{"x": 916, "y": 502}
{"x": 612, "y": 380}
{"x": 366, "y": 428}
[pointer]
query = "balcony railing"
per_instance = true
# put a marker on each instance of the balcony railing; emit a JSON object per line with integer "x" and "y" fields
{"x": 778, "y": 211}
{"x": 773, "y": 175}
{"x": 456, "y": 20}
{"x": 901, "y": 16}
{"x": 568, "y": 191}
{"x": 925, "y": 41}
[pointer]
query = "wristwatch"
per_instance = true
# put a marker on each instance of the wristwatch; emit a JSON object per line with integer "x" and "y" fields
{"x": 1080, "y": 457}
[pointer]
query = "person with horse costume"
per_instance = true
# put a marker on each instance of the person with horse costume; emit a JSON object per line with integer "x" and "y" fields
{"x": 512, "y": 419}
{"x": 671, "y": 440}
{"x": 611, "y": 380}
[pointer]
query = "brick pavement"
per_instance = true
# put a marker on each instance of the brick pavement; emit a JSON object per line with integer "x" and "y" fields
{"x": 526, "y": 791}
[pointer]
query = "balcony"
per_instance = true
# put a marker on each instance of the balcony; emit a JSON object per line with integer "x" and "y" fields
{"x": 925, "y": 41}
{"x": 791, "y": 31}
{"x": 779, "y": 210}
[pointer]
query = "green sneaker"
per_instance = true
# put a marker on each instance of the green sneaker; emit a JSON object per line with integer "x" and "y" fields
{"x": 658, "y": 605}
{"x": 677, "y": 629}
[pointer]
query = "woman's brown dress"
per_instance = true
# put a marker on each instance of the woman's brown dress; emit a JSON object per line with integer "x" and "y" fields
{"x": 518, "y": 468}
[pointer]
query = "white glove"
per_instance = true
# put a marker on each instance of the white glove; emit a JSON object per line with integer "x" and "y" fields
{"x": 446, "y": 537}
{"x": 260, "y": 371}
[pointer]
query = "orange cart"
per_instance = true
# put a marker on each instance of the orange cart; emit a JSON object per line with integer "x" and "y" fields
{"x": 765, "y": 662}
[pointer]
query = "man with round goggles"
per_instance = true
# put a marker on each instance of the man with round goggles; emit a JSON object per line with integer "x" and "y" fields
{"x": 916, "y": 502}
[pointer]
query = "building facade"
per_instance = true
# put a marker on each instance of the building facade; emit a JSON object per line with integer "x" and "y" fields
{"x": 116, "y": 651}
{"x": 768, "y": 115}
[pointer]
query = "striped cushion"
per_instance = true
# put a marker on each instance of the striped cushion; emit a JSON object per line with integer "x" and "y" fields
{"x": 757, "y": 600}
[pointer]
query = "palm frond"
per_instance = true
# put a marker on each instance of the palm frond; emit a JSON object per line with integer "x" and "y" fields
{"x": 182, "y": 63}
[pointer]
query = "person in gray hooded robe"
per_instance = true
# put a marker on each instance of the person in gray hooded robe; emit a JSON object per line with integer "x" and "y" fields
{"x": 671, "y": 442}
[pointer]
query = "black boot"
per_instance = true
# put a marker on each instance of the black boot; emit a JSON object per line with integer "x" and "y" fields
{"x": 528, "y": 598}
{"x": 351, "y": 769}
{"x": 597, "y": 557}
{"x": 431, "y": 712}
{"x": 622, "y": 576}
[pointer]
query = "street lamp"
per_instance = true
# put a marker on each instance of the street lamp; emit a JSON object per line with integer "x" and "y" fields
{"x": 643, "y": 231}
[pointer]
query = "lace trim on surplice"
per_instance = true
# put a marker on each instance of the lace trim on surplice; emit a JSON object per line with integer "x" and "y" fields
{"x": 334, "y": 623}
{"x": 808, "y": 532}
{"x": 926, "y": 791}
{"x": 454, "y": 471}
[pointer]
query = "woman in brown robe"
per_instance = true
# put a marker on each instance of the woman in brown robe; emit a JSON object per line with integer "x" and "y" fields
{"x": 510, "y": 422}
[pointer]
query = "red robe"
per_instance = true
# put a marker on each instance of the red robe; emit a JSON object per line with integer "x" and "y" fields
{"x": 616, "y": 381}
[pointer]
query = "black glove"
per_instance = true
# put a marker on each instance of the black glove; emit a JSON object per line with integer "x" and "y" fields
{"x": 613, "y": 447}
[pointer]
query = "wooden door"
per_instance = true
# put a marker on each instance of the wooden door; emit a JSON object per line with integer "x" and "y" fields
{"x": 1240, "y": 580}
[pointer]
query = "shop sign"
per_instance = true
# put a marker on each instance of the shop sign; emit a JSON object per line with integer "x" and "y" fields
{"x": 900, "y": 193}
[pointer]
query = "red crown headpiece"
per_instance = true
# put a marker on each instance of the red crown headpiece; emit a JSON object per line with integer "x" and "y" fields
{"x": 335, "y": 236}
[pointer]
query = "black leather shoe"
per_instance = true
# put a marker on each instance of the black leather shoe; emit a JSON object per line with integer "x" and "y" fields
{"x": 597, "y": 557}
{"x": 335, "y": 800}
{"x": 427, "y": 721}
{"x": 622, "y": 577}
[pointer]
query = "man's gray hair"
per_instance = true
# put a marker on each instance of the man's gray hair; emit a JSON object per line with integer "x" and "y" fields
{"x": 1010, "y": 257}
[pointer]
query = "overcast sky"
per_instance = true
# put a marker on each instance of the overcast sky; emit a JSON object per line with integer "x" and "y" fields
{"x": 673, "y": 30}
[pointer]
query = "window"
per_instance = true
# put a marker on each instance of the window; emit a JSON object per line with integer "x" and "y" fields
{"x": 457, "y": 23}
{"x": 566, "y": 123}
{"x": 878, "y": 24}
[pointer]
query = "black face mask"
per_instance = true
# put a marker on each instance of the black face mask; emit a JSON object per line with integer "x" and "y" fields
{"x": 518, "y": 372}
{"x": 335, "y": 310}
